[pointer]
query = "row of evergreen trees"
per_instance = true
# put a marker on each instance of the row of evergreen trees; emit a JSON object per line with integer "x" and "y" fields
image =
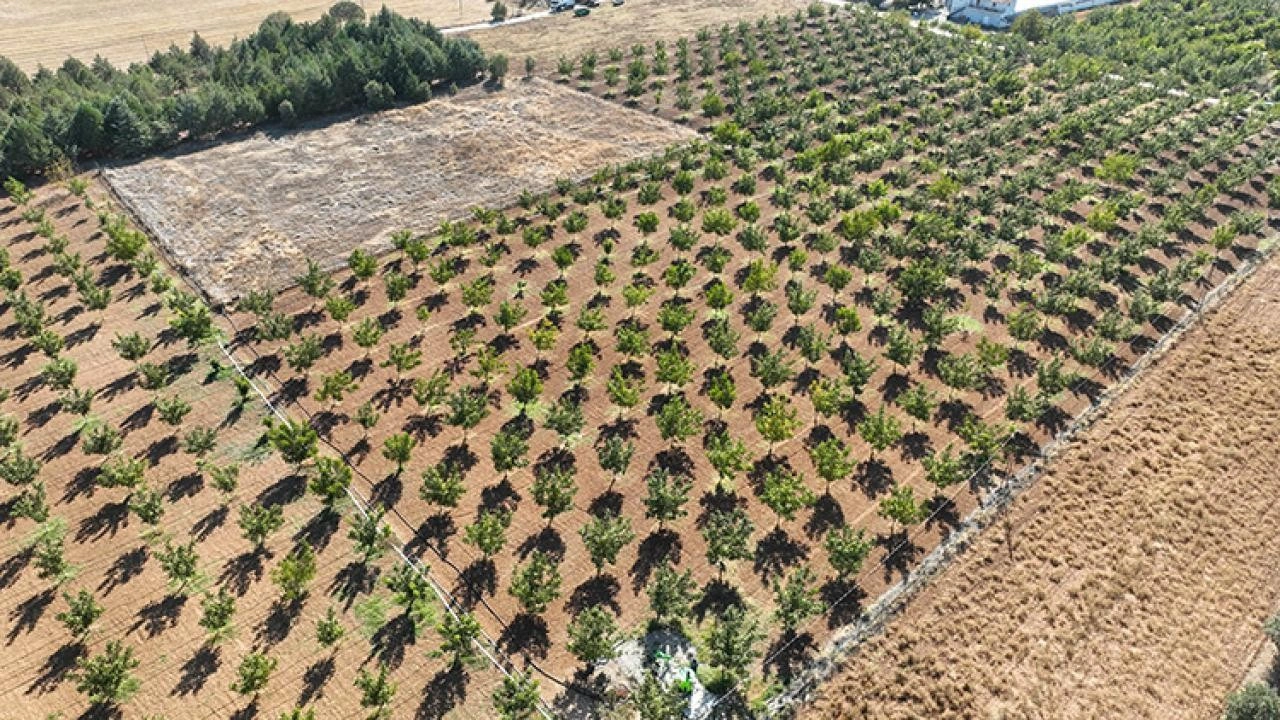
{"x": 284, "y": 71}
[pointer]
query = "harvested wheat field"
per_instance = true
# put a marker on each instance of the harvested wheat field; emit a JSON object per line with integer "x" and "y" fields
{"x": 247, "y": 215}
{"x": 1131, "y": 581}
{"x": 124, "y": 31}
{"x": 638, "y": 21}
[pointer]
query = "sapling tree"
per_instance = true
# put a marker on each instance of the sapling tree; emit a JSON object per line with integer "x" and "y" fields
{"x": 83, "y": 610}
{"x": 796, "y": 599}
{"x": 369, "y": 534}
{"x": 614, "y": 453}
{"x": 553, "y": 489}
{"x": 442, "y": 484}
{"x": 458, "y": 633}
{"x": 253, "y": 673}
{"x": 593, "y": 633}
{"x": 107, "y": 678}
{"x": 259, "y": 522}
{"x": 667, "y": 496}
{"x": 330, "y": 478}
{"x": 776, "y": 420}
{"x": 604, "y": 537}
{"x": 732, "y": 643}
{"x": 376, "y": 692}
{"x": 536, "y": 583}
{"x": 900, "y": 507}
{"x": 672, "y": 595}
{"x": 832, "y": 461}
{"x": 847, "y": 549}
{"x": 217, "y": 611}
{"x": 517, "y": 698}
{"x": 181, "y": 565}
{"x": 880, "y": 430}
{"x": 398, "y": 448}
{"x": 329, "y": 629}
{"x": 295, "y": 572}
{"x": 728, "y": 536}
{"x": 489, "y": 532}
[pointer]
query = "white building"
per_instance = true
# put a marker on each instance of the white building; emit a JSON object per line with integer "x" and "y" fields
{"x": 999, "y": 14}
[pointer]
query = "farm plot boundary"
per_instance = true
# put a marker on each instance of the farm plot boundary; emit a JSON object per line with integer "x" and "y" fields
{"x": 250, "y": 214}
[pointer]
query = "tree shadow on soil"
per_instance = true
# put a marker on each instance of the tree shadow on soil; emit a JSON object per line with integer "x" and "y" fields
{"x": 109, "y": 519}
{"x": 717, "y": 596}
{"x": 903, "y": 555}
{"x": 242, "y": 571}
{"x": 197, "y": 670}
{"x": 276, "y": 626}
{"x": 596, "y": 591}
{"x": 658, "y": 547}
{"x": 56, "y": 668}
{"x": 476, "y": 580}
{"x": 434, "y": 532}
{"x": 445, "y": 691}
{"x": 527, "y": 633}
{"x": 314, "y": 679}
{"x": 825, "y": 516}
{"x": 354, "y": 579}
{"x": 389, "y": 643}
{"x": 27, "y": 614}
{"x": 547, "y": 541}
{"x": 159, "y": 615}
{"x": 789, "y": 654}
{"x": 776, "y": 552}
{"x": 214, "y": 519}
{"x": 126, "y": 567}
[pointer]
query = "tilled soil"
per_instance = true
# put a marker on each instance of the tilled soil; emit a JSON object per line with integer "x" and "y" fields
{"x": 1131, "y": 581}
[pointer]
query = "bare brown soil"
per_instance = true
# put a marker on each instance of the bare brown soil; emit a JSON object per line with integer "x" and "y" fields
{"x": 125, "y": 31}
{"x": 638, "y": 21}
{"x": 248, "y": 214}
{"x": 180, "y": 676}
{"x": 1132, "y": 579}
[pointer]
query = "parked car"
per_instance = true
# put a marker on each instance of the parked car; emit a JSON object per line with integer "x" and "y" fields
{"x": 581, "y": 11}
{"x": 616, "y": 3}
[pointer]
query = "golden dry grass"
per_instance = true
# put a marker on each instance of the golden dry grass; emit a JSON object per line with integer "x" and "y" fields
{"x": 249, "y": 214}
{"x": 638, "y": 21}
{"x": 46, "y": 32}
{"x": 1131, "y": 581}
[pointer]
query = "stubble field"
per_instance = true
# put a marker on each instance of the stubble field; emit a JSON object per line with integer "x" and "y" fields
{"x": 247, "y": 215}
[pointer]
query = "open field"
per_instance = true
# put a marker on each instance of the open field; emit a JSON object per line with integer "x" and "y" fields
{"x": 1132, "y": 580}
{"x": 125, "y": 31}
{"x": 117, "y": 555}
{"x": 638, "y": 21}
{"x": 248, "y": 215}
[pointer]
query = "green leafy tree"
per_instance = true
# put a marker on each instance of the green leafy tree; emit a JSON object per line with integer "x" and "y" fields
{"x": 776, "y": 421}
{"x": 831, "y": 459}
{"x": 677, "y": 420}
{"x": 369, "y": 534}
{"x": 330, "y": 478}
{"x": 901, "y": 507}
{"x": 180, "y": 564}
{"x": 259, "y": 522}
{"x": 107, "y": 678}
{"x": 672, "y": 595}
{"x": 295, "y": 572}
{"x": 1255, "y": 701}
{"x": 376, "y": 692}
{"x": 605, "y": 537}
{"x": 398, "y": 448}
{"x": 785, "y": 493}
{"x": 83, "y": 610}
{"x": 442, "y": 484}
{"x": 253, "y": 673}
{"x": 728, "y": 536}
{"x": 296, "y": 442}
{"x": 489, "y": 532}
{"x": 847, "y": 549}
{"x": 517, "y": 698}
{"x": 536, "y": 583}
{"x": 732, "y": 643}
{"x": 796, "y": 599}
{"x": 667, "y": 496}
{"x": 553, "y": 489}
{"x": 593, "y": 633}
{"x": 880, "y": 430}
{"x": 217, "y": 611}
{"x": 329, "y": 629}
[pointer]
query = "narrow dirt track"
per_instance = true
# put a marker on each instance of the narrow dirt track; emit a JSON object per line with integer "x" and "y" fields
{"x": 1131, "y": 581}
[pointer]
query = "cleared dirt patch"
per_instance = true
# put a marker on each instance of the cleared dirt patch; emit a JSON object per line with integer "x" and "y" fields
{"x": 249, "y": 214}
{"x": 1132, "y": 580}
{"x": 125, "y": 31}
{"x": 638, "y": 21}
